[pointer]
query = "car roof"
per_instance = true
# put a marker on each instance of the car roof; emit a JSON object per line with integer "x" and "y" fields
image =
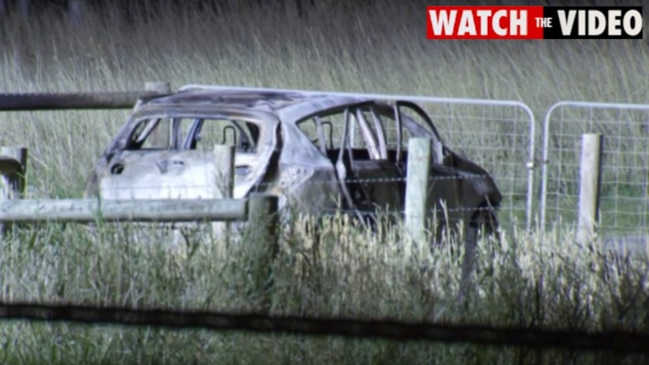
{"x": 288, "y": 106}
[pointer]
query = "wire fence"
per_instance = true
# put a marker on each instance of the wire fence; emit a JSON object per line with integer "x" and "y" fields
{"x": 500, "y": 139}
{"x": 454, "y": 197}
{"x": 623, "y": 199}
{"x": 369, "y": 194}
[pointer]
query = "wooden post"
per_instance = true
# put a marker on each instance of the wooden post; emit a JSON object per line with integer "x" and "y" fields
{"x": 13, "y": 168}
{"x": 438, "y": 152}
{"x": 224, "y": 163}
{"x": 263, "y": 221}
{"x": 160, "y": 136}
{"x": 417, "y": 183}
{"x": 590, "y": 172}
{"x": 158, "y": 86}
{"x": 18, "y": 182}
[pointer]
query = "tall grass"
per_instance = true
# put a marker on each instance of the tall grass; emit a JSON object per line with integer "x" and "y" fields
{"x": 377, "y": 47}
{"x": 346, "y": 271}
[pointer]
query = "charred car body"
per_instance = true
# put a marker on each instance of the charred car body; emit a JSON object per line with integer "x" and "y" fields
{"x": 321, "y": 152}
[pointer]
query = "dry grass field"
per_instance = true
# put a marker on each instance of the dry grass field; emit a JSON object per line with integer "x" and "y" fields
{"x": 345, "y": 47}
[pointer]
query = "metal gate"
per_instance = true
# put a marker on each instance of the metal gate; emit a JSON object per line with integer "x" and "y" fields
{"x": 496, "y": 134}
{"x": 624, "y": 193}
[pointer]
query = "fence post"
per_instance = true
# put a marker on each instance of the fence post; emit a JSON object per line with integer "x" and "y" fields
{"x": 438, "y": 152}
{"x": 417, "y": 182}
{"x": 158, "y": 86}
{"x": 589, "y": 183}
{"x": 13, "y": 167}
{"x": 263, "y": 222}
{"x": 18, "y": 183}
{"x": 224, "y": 163}
{"x": 160, "y": 135}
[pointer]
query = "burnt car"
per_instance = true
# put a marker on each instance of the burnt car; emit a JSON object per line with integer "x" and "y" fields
{"x": 321, "y": 153}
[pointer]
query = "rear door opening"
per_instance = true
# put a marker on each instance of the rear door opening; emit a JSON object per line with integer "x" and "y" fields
{"x": 173, "y": 156}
